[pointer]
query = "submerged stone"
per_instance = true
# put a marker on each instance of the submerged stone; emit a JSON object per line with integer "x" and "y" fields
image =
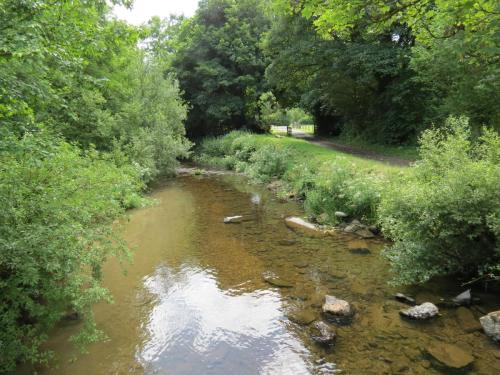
{"x": 424, "y": 311}
{"x": 364, "y": 233}
{"x": 467, "y": 321}
{"x": 450, "y": 356}
{"x": 287, "y": 242}
{"x": 360, "y": 251}
{"x": 323, "y": 334}
{"x": 404, "y": 298}
{"x": 302, "y": 317}
{"x": 274, "y": 280}
{"x": 491, "y": 325}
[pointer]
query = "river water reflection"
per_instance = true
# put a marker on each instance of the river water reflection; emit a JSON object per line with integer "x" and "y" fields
{"x": 194, "y": 300}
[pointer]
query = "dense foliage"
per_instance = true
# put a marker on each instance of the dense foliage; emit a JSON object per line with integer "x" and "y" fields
{"x": 86, "y": 118}
{"x": 374, "y": 70}
{"x": 405, "y": 64}
{"x": 220, "y": 66}
{"x": 58, "y": 206}
{"x": 361, "y": 87}
{"x": 443, "y": 215}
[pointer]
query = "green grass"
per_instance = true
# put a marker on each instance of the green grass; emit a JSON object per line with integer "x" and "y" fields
{"x": 315, "y": 154}
{"x": 403, "y": 152}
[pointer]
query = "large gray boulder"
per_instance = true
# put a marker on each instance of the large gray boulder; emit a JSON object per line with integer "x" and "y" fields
{"x": 424, "y": 311}
{"x": 491, "y": 324}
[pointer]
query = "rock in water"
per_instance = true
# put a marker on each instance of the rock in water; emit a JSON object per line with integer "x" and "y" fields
{"x": 405, "y": 299}
{"x": 467, "y": 321}
{"x": 491, "y": 325}
{"x": 323, "y": 334}
{"x": 303, "y": 317}
{"x": 450, "y": 356}
{"x": 424, "y": 311}
{"x": 360, "y": 251}
{"x": 256, "y": 199}
{"x": 336, "y": 306}
{"x": 463, "y": 299}
{"x": 274, "y": 280}
{"x": 298, "y": 224}
{"x": 233, "y": 219}
{"x": 364, "y": 233}
{"x": 287, "y": 242}
{"x": 352, "y": 228}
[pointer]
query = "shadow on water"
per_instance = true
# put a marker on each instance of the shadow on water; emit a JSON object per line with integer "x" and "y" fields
{"x": 194, "y": 301}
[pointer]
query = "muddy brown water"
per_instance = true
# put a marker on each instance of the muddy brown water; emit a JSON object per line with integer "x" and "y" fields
{"x": 194, "y": 300}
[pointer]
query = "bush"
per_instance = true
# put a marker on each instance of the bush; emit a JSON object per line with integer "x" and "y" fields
{"x": 231, "y": 151}
{"x": 302, "y": 178}
{"x": 340, "y": 189}
{"x": 443, "y": 215}
{"x": 269, "y": 162}
{"x": 58, "y": 208}
{"x": 155, "y": 151}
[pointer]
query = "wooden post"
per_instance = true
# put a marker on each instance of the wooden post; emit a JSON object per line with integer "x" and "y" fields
{"x": 288, "y": 130}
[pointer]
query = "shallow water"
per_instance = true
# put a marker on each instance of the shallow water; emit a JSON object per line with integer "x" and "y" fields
{"x": 194, "y": 301}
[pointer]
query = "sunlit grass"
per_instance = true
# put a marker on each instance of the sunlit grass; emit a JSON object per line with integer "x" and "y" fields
{"x": 314, "y": 154}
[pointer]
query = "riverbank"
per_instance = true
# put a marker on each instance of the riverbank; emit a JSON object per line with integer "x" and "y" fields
{"x": 412, "y": 206}
{"x": 297, "y": 169}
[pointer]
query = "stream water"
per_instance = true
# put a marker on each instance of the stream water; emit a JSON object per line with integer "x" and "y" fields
{"x": 194, "y": 300}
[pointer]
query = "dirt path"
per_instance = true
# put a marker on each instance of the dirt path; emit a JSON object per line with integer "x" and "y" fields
{"x": 356, "y": 151}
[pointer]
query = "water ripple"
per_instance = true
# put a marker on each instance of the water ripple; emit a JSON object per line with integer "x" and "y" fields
{"x": 195, "y": 327}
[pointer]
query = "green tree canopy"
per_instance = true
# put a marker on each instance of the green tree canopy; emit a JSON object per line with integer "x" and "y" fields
{"x": 220, "y": 66}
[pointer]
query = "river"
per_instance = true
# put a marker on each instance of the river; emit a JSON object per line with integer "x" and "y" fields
{"x": 194, "y": 300}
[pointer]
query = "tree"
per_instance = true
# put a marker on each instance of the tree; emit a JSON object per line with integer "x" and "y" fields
{"x": 86, "y": 118}
{"x": 220, "y": 66}
{"x": 455, "y": 55}
{"x": 361, "y": 86}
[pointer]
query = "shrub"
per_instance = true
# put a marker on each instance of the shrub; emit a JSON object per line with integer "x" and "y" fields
{"x": 58, "y": 208}
{"x": 443, "y": 215}
{"x": 302, "y": 178}
{"x": 338, "y": 188}
{"x": 231, "y": 151}
{"x": 269, "y": 162}
{"x": 155, "y": 151}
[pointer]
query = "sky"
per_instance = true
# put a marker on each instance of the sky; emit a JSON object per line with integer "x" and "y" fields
{"x": 143, "y": 10}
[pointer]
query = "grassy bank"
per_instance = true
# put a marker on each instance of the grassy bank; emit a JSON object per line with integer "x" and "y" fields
{"x": 441, "y": 213}
{"x": 404, "y": 152}
{"x": 325, "y": 180}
